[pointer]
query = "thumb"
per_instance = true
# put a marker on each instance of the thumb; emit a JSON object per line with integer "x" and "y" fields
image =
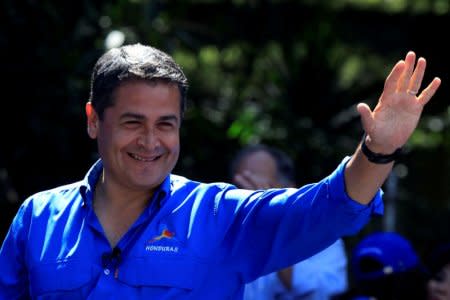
{"x": 366, "y": 116}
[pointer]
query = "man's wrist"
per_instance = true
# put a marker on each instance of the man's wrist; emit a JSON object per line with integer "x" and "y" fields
{"x": 378, "y": 158}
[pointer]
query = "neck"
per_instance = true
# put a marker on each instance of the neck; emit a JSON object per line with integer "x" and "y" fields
{"x": 117, "y": 208}
{"x": 112, "y": 196}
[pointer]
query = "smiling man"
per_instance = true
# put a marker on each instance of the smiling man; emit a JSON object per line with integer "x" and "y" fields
{"x": 138, "y": 140}
{"x": 133, "y": 230}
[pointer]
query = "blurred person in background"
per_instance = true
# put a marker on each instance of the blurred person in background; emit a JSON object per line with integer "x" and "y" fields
{"x": 385, "y": 266}
{"x": 316, "y": 278}
{"x": 438, "y": 264}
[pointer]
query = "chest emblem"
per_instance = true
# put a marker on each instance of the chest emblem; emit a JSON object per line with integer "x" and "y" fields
{"x": 165, "y": 234}
{"x": 163, "y": 242}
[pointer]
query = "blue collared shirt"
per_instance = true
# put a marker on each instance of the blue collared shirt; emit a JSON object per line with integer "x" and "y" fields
{"x": 193, "y": 241}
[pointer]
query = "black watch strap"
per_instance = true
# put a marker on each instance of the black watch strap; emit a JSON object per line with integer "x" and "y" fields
{"x": 378, "y": 158}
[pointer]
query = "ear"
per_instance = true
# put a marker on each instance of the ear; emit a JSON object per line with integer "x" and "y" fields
{"x": 92, "y": 120}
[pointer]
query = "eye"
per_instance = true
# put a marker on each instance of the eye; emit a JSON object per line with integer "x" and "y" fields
{"x": 131, "y": 123}
{"x": 167, "y": 125}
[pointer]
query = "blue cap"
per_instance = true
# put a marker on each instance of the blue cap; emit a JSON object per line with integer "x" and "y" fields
{"x": 382, "y": 253}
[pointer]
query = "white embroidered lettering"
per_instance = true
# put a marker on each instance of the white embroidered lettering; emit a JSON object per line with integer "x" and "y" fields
{"x": 154, "y": 248}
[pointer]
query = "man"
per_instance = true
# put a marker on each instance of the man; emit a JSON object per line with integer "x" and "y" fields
{"x": 438, "y": 263}
{"x": 316, "y": 278}
{"x": 132, "y": 230}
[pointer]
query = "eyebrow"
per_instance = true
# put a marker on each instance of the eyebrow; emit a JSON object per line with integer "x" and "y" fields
{"x": 132, "y": 116}
{"x": 169, "y": 118}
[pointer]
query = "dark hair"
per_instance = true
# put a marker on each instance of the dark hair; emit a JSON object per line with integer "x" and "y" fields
{"x": 438, "y": 258}
{"x": 409, "y": 284}
{"x": 285, "y": 165}
{"x": 131, "y": 62}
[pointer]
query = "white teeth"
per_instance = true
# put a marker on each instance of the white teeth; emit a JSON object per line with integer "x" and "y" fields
{"x": 141, "y": 158}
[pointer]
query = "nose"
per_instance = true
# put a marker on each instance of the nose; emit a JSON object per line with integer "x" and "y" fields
{"x": 148, "y": 140}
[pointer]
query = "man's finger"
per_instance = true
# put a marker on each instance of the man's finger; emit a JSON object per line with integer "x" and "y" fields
{"x": 390, "y": 85}
{"x": 431, "y": 89}
{"x": 416, "y": 79}
{"x": 404, "y": 80}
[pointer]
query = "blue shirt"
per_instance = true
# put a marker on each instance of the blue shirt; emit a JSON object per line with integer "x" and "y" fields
{"x": 318, "y": 277}
{"x": 193, "y": 241}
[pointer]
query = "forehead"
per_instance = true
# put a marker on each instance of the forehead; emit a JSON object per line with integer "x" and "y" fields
{"x": 259, "y": 162}
{"x": 152, "y": 95}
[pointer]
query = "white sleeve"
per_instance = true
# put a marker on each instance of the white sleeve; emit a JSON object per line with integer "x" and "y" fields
{"x": 325, "y": 272}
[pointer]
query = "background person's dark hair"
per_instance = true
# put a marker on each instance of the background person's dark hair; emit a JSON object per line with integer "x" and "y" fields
{"x": 410, "y": 284}
{"x": 438, "y": 258}
{"x": 385, "y": 265}
{"x": 285, "y": 165}
{"x": 132, "y": 62}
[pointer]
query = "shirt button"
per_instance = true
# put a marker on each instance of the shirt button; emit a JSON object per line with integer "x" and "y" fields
{"x": 106, "y": 271}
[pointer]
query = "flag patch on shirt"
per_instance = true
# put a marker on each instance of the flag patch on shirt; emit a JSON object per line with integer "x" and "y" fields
{"x": 165, "y": 234}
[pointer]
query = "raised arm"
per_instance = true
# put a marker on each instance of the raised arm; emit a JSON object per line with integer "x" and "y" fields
{"x": 389, "y": 126}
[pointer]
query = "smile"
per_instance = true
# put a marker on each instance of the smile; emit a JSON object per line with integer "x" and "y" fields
{"x": 144, "y": 159}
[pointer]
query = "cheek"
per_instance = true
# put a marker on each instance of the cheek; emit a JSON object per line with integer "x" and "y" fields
{"x": 172, "y": 141}
{"x": 115, "y": 139}
{"x": 447, "y": 283}
{"x": 175, "y": 149}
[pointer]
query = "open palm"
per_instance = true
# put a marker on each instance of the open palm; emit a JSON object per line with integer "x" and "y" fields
{"x": 398, "y": 110}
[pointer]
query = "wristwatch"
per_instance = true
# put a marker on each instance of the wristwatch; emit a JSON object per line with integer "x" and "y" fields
{"x": 378, "y": 158}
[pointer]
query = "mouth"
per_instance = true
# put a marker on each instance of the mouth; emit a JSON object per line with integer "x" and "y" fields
{"x": 142, "y": 158}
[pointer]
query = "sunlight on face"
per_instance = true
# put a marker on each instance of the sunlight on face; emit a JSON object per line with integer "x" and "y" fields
{"x": 138, "y": 138}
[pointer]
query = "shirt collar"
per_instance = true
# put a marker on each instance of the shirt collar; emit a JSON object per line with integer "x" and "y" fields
{"x": 87, "y": 187}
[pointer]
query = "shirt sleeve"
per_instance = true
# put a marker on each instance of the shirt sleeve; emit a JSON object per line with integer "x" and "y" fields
{"x": 13, "y": 274}
{"x": 277, "y": 228}
{"x": 318, "y": 277}
{"x": 326, "y": 271}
